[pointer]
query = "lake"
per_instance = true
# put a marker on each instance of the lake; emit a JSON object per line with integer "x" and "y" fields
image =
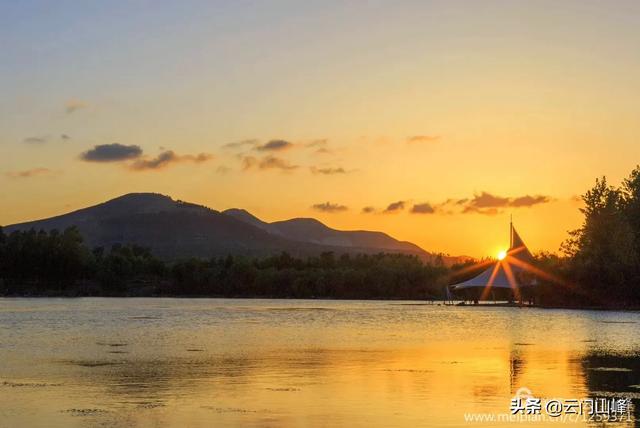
{"x": 137, "y": 362}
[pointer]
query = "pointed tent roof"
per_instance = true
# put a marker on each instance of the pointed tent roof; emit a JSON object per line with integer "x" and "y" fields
{"x": 502, "y": 273}
{"x": 518, "y": 249}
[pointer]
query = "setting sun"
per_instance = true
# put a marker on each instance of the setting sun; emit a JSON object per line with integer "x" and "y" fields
{"x": 502, "y": 254}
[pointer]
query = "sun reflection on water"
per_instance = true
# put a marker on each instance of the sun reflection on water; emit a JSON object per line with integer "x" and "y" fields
{"x": 140, "y": 362}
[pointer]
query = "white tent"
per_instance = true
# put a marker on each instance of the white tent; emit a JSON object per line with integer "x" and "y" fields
{"x": 506, "y": 273}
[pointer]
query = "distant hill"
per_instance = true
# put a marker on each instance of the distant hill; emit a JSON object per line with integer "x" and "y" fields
{"x": 313, "y": 231}
{"x": 176, "y": 229}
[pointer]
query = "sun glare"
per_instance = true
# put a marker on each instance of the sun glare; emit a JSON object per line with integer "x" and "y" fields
{"x": 502, "y": 254}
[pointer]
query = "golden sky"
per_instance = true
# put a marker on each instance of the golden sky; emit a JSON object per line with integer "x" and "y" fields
{"x": 466, "y": 112}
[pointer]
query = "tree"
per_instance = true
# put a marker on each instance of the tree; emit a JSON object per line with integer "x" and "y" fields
{"x": 602, "y": 251}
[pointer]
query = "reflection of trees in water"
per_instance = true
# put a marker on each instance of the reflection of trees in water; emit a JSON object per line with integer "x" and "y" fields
{"x": 546, "y": 371}
{"x": 516, "y": 366}
{"x": 604, "y": 376}
{"x": 614, "y": 375}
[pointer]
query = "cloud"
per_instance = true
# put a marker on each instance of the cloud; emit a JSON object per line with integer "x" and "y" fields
{"x": 223, "y": 169}
{"x": 317, "y": 143}
{"x": 483, "y": 203}
{"x": 528, "y": 201}
{"x": 329, "y": 207}
{"x": 111, "y": 153}
{"x": 274, "y": 146}
{"x": 328, "y": 171}
{"x": 324, "y": 151}
{"x": 162, "y": 160}
{"x": 166, "y": 158}
{"x": 35, "y": 172}
{"x": 484, "y": 211}
{"x": 36, "y": 140}
{"x": 487, "y": 200}
{"x": 271, "y": 162}
{"x": 248, "y": 162}
{"x": 423, "y": 138}
{"x": 395, "y": 207}
{"x": 44, "y": 139}
{"x": 241, "y": 144}
{"x": 489, "y": 204}
{"x": 199, "y": 158}
{"x": 73, "y": 105}
{"x": 424, "y": 208}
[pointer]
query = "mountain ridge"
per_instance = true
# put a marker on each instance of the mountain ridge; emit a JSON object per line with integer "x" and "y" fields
{"x": 175, "y": 229}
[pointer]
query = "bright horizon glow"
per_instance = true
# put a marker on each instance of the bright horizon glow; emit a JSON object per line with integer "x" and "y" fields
{"x": 502, "y": 254}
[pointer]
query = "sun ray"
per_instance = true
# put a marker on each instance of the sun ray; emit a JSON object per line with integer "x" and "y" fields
{"x": 474, "y": 267}
{"x": 487, "y": 288}
{"x": 536, "y": 271}
{"x": 511, "y": 278}
{"x": 549, "y": 277}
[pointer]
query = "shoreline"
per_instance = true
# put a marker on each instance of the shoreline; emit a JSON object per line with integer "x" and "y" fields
{"x": 416, "y": 302}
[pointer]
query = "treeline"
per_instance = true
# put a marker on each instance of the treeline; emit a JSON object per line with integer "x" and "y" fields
{"x": 41, "y": 263}
{"x": 599, "y": 266}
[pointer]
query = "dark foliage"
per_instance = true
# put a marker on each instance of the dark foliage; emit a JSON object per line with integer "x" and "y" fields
{"x": 41, "y": 263}
{"x": 601, "y": 266}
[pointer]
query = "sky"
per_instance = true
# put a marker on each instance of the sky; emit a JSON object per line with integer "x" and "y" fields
{"x": 433, "y": 121}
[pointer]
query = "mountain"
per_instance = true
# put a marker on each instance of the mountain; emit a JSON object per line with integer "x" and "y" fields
{"x": 312, "y": 231}
{"x": 177, "y": 229}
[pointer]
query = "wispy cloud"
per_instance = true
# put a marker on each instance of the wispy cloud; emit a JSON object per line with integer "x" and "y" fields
{"x": 329, "y": 207}
{"x": 324, "y": 151}
{"x": 241, "y": 144}
{"x": 271, "y": 162}
{"x": 42, "y": 139}
{"x": 74, "y": 105}
{"x": 274, "y": 146}
{"x": 278, "y": 144}
{"x": 395, "y": 207}
{"x": 29, "y": 173}
{"x": 484, "y": 203}
{"x": 36, "y": 140}
{"x": 321, "y": 142}
{"x": 328, "y": 171}
{"x": 483, "y": 211}
{"x": 487, "y": 200}
{"x": 529, "y": 201}
{"x": 167, "y": 158}
{"x": 489, "y": 204}
{"x": 114, "y": 152}
{"x": 248, "y": 162}
{"x": 423, "y": 138}
{"x": 266, "y": 163}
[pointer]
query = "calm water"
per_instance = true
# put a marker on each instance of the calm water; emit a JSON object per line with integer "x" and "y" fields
{"x": 223, "y": 362}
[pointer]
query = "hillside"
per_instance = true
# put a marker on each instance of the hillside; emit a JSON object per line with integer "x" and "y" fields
{"x": 176, "y": 229}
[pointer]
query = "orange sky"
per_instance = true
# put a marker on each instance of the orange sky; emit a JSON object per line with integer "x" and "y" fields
{"x": 498, "y": 108}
